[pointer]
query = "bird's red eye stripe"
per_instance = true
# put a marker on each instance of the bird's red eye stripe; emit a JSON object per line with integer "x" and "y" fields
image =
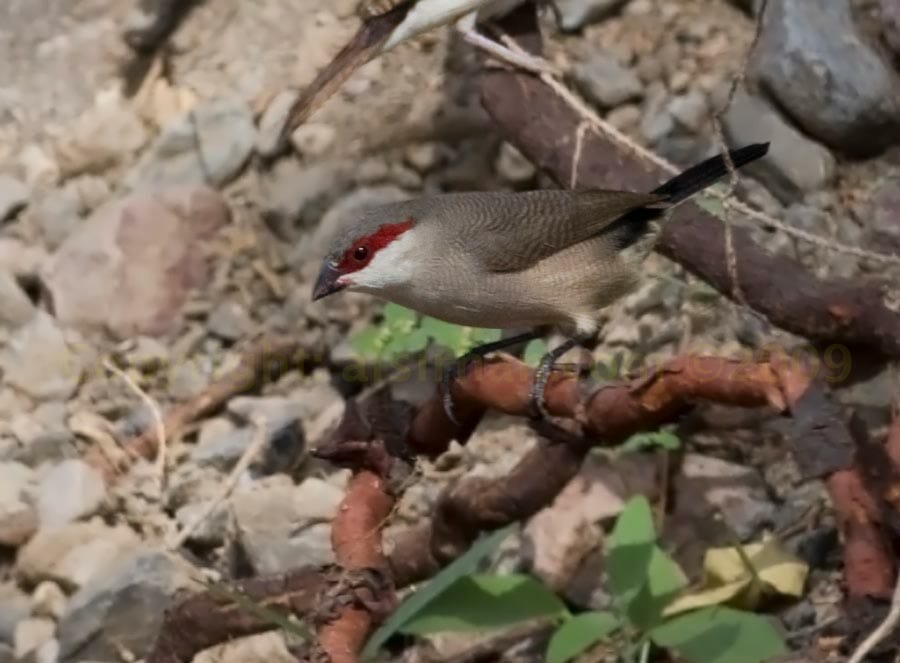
{"x": 374, "y": 242}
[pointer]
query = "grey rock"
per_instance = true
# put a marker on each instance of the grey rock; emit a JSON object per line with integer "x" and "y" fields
{"x": 48, "y": 600}
{"x": 606, "y": 82}
{"x": 890, "y": 24}
{"x": 19, "y": 259}
{"x": 18, "y": 519}
{"x": 512, "y": 165}
{"x": 211, "y": 529}
{"x": 30, "y": 634}
{"x": 263, "y": 648}
{"x": 56, "y": 214}
{"x": 40, "y": 361}
{"x": 13, "y": 197}
{"x": 794, "y": 164}
{"x": 229, "y": 321}
{"x": 123, "y": 608}
{"x": 313, "y": 139}
{"x": 39, "y": 168}
{"x": 70, "y": 491}
{"x": 838, "y": 89}
{"x": 208, "y": 145}
{"x": 220, "y": 444}
{"x": 690, "y": 110}
{"x": 16, "y": 308}
{"x": 147, "y": 353}
{"x": 657, "y": 122}
{"x": 53, "y": 446}
{"x": 14, "y": 607}
{"x": 186, "y": 379}
{"x": 282, "y": 526}
{"x": 883, "y": 219}
{"x": 424, "y": 156}
{"x": 572, "y": 15}
{"x": 6, "y": 654}
{"x": 73, "y": 554}
{"x": 130, "y": 267}
{"x": 272, "y": 122}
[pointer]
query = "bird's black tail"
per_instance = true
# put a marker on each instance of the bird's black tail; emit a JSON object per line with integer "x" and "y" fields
{"x": 696, "y": 178}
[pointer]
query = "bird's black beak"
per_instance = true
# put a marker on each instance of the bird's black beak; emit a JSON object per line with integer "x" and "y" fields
{"x": 327, "y": 282}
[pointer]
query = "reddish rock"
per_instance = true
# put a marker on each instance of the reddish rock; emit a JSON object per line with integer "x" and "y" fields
{"x": 132, "y": 265}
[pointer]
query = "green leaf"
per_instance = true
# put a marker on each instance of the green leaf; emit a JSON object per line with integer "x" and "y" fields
{"x": 415, "y": 341}
{"x": 579, "y": 633}
{"x": 444, "y": 334}
{"x": 484, "y": 335}
{"x": 398, "y": 316}
{"x": 534, "y": 351}
{"x": 664, "y": 580}
{"x": 486, "y": 601}
{"x": 462, "y": 565}
{"x": 657, "y": 439}
{"x": 368, "y": 342}
{"x": 631, "y": 547}
{"x": 720, "y": 635}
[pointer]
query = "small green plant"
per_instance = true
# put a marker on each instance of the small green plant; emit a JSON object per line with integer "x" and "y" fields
{"x": 403, "y": 332}
{"x": 643, "y": 579}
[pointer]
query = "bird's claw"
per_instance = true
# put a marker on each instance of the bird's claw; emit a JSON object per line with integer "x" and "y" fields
{"x": 447, "y": 377}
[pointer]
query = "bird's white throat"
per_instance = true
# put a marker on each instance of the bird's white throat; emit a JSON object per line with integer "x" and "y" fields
{"x": 390, "y": 269}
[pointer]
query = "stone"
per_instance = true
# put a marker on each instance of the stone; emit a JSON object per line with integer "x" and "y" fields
{"x": 267, "y": 647}
{"x": 572, "y": 15}
{"x": 297, "y": 195}
{"x": 18, "y": 518}
{"x": 52, "y": 447}
{"x": 624, "y": 117}
{"x": 56, "y": 214}
{"x": 512, "y": 165}
{"x": 313, "y": 139}
{"x": 281, "y": 526}
{"x": 48, "y": 600}
{"x": 656, "y": 121}
{"x": 40, "y": 170}
{"x": 123, "y": 608}
{"x": 30, "y": 634}
{"x": 14, "y": 607}
{"x": 106, "y": 134}
{"x": 890, "y": 24}
{"x": 272, "y": 123}
{"x": 186, "y": 379}
{"x": 230, "y": 321}
{"x": 147, "y": 354}
{"x": 40, "y": 361}
{"x": 424, "y": 156}
{"x": 70, "y": 491}
{"x": 207, "y": 145}
{"x": 7, "y": 655}
{"x": 690, "y": 110}
{"x": 606, "y": 82}
{"x": 16, "y": 308}
{"x": 13, "y": 197}
{"x": 19, "y": 259}
{"x": 211, "y": 529}
{"x": 73, "y": 554}
{"x": 839, "y": 91}
{"x": 883, "y": 219}
{"x": 131, "y": 266}
{"x": 794, "y": 165}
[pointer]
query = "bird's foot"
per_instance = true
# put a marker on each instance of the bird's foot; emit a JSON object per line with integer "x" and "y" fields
{"x": 541, "y": 375}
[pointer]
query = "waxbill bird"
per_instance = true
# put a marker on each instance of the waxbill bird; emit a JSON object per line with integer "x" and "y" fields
{"x": 540, "y": 259}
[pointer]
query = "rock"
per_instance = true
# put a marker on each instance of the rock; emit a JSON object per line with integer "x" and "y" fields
{"x": 424, "y": 156}
{"x": 624, "y": 117}
{"x": 16, "y": 308}
{"x": 512, "y": 165}
{"x": 21, "y": 260}
{"x": 105, "y": 135}
{"x": 122, "y": 608}
{"x": 211, "y": 530}
{"x": 229, "y": 321}
{"x": 73, "y": 554}
{"x": 39, "y": 360}
{"x": 794, "y": 164}
{"x": 40, "y": 170}
{"x": 605, "y": 82}
{"x": 30, "y": 634}
{"x": 130, "y": 267}
{"x": 839, "y": 91}
{"x": 883, "y": 218}
{"x": 281, "y": 526}
{"x": 71, "y": 490}
{"x": 186, "y": 379}
{"x": 47, "y": 652}
{"x": 573, "y": 15}
{"x": 313, "y": 139}
{"x": 890, "y": 24}
{"x": 14, "y": 607}
{"x": 272, "y": 122}
{"x": 56, "y": 214}
{"x": 207, "y": 145}
{"x": 657, "y": 122}
{"x": 690, "y": 110}
{"x": 147, "y": 354}
{"x": 18, "y": 519}
{"x": 13, "y": 197}
{"x": 263, "y": 648}
{"x": 6, "y": 654}
{"x": 52, "y": 446}
{"x": 48, "y": 600}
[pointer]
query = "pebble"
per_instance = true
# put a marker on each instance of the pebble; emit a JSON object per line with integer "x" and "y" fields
{"x": 513, "y": 166}
{"x": 14, "y": 607}
{"x": 211, "y": 530}
{"x": 13, "y": 197}
{"x": 18, "y": 519}
{"x": 624, "y": 118}
{"x": 7, "y": 655}
{"x": 40, "y": 170}
{"x": 19, "y": 259}
{"x": 48, "y": 600}
{"x": 272, "y": 122}
{"x": 56, "y": 214}
{"x": 30, "y": 634}
{"x": 123, "y": 608}
{"x": 186, "y": 379}
{"x": 131, "y": 266}
{"x": 262, "y": 648}
{"x": 147, "y": 353}
{"x": 73, "y": 554}
{"x": 883, "y": 218}
{"x": 16, "y": 309}
{"x": 39, "y": 360}
{"x": 575, "y": 14}
{"x": 890, "y": 24}
{"x": 230, "y": 321}
{"x": 69, "y": 491}
{"x": 838, "y": 90}
{"x": 794, "y": 165}
{"x": 313, "y": 139}
{"x": 424, "y": 156}
{"x": 657, "y": 122}
{"x": 606, "y": 82}
{"x": 690, "y": 110}
{"x": 207, "y": 145}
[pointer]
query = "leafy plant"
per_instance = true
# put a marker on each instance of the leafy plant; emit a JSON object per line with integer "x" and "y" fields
{"x": 404, "y": 332}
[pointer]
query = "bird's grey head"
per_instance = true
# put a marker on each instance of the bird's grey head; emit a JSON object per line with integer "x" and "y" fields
{"x": 371, "y": 255}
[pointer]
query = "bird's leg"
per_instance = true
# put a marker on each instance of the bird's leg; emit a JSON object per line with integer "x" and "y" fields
{"x": 542, "y": 374}
{"x": 450, "y": 372}
{"x": 466, "y": 27}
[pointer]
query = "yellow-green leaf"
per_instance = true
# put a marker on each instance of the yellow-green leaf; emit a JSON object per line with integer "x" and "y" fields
{"x": 577, "y": 634}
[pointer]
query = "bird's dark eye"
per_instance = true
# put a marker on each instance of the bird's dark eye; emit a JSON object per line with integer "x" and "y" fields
{"x": 361, "y": 253}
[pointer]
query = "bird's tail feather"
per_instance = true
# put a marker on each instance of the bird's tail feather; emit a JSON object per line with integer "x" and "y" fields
{"x": 696, "y": 178}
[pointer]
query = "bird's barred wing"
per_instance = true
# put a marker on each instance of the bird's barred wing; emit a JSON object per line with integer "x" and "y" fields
{"x": 513, "y": 231}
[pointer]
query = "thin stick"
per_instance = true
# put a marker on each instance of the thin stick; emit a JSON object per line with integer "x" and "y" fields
{"x": 158, "y": 422}
{"x": 243, "y": 463}
{"x": 576, "y": 155}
